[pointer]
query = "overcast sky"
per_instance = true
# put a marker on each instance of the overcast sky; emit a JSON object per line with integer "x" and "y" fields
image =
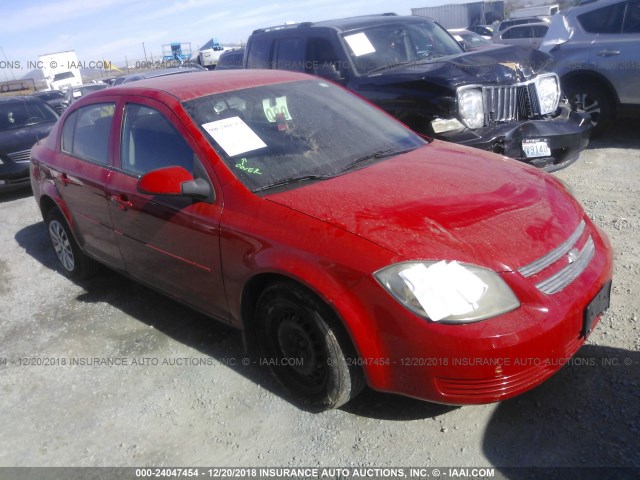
{"x": 114, "y": 29}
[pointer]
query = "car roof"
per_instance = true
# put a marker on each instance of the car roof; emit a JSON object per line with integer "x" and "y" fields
{"x": 526, "y": 25}
{"x": 20, "y": 98}
{"x": 350, "y": 23}
{"x": 198, "y": 84}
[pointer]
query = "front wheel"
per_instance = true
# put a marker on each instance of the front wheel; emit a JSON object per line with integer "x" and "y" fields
{"x": 305, "y": 348}
{"x": 75, "y": 264}
{"x": 594, "y": 100}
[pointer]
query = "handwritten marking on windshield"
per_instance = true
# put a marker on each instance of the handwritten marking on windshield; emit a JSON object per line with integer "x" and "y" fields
{"x": 252, "y": 170}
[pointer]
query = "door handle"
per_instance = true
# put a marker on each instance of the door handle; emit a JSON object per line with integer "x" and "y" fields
{"x": 608, "y": 53}
{"x": 122, "y": 201}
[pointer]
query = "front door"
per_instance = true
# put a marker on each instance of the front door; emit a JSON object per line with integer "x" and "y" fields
{"x": 170, "y": 243}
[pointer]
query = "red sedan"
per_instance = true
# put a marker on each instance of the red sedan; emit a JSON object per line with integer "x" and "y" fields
{"x": 349, "y": 249}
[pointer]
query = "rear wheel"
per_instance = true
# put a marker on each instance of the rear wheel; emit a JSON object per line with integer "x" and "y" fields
{"x": 75, "y": 264}
{"x": 305, "y": 348}
{"x": 595, "y": 101}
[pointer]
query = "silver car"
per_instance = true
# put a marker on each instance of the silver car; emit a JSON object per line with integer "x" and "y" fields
{"x": 596, "y": 47}
{"x": 528, "y": 35}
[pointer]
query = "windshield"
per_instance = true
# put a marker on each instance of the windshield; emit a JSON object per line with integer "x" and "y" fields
{"x": 385, "y": 46}
{"x": 473, "y": 40}
{"x": 23, "y": 114}
{"x": 289, "y": 132}
{"x": 77, "y": 92}
{"x": 62, "y": 76}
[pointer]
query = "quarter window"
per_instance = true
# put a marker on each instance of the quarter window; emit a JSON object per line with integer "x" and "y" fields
{"x": 150, "y": 141}
{"x": 86, "y": 132}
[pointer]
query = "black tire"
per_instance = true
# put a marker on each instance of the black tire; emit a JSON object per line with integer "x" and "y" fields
{"x": 594, "y": 100}
{"x": 294, "y": 326}
{"x": 75, "y": 264}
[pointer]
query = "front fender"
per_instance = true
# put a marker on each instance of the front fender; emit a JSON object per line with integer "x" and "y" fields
{"x": 334, "y": 264}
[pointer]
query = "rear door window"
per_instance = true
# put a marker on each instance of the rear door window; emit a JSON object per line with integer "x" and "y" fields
{"x": 290, "y": 54}
{"x": 259, "y": 53}
{"x": 603, "y": 20}
{"x": 86, "y": 132}
{"x": 632, "y": 19}
{"x": 539, "y": 31}
{"x": 518, "y": 32}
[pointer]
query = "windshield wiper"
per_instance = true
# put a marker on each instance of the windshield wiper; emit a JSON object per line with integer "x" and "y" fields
{"x": 374, "y": 156}
{"x": 358, "y": 161}
{"x": 390, "y": 65}
{"x": 290, "y": 180}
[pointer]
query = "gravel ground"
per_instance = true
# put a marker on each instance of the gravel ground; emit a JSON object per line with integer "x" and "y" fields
{"x": 189, "y": 400}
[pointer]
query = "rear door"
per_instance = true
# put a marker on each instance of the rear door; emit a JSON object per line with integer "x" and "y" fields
{"x": 170, "y": 243}
{"x": 84, "y": 167}
{"x": 538, "y": 33}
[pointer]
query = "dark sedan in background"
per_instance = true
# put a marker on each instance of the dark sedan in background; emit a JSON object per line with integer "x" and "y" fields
{"x": 23, "y": 121}
{"x": 53, "y": 98}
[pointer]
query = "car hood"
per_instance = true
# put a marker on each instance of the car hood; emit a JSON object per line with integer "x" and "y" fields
{"x": 446, "y": 202}
{"x": 24, "y": 138}
{"x": 495, "y": 66}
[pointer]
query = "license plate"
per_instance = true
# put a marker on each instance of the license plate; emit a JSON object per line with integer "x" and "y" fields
{"x": 595, "y": 308}
{"x": 536, "y": 147}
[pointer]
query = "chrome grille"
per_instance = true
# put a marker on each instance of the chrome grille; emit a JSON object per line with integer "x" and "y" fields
{"x": 554, "y": 255}
{"x": 579, "y": 261}
{"x": 500, "y": 103}
{"x": 568, "y": 274}
{"x": 509, "y": 103}
{"x": 22, "y": 156}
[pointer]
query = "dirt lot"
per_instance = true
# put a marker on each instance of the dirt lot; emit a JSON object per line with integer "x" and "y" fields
{"x": 190, "y": 400}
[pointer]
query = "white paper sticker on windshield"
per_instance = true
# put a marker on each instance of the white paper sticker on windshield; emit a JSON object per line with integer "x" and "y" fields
{"x": 444, "y": 289}
{"x": 77, "y": 93}
{"x": 234, "y": 136}
{"x": 273, "y": 107}
{"x": 360, "y": 44}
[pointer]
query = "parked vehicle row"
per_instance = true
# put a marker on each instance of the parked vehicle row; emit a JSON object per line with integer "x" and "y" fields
{"x": 594, "y": 46}
{"x": 503, "y": 100}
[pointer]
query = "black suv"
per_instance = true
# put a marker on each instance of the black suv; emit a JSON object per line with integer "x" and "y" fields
{"x": 504, "y": 100}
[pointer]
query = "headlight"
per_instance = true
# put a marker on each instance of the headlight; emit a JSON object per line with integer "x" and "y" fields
{"x": 471, "y": 107}
{"x": 548, "y": 88}
{"x": 448, "y": 292}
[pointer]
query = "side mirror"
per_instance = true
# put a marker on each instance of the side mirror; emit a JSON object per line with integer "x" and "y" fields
{"x": 175, "y": 181}
{"x": 328, "y": 71}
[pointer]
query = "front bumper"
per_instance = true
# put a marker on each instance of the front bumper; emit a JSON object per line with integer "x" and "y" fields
{"x": 490, "y": 360}
{"x": 567, "y": 135}
{"x": 13, "y": 175}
